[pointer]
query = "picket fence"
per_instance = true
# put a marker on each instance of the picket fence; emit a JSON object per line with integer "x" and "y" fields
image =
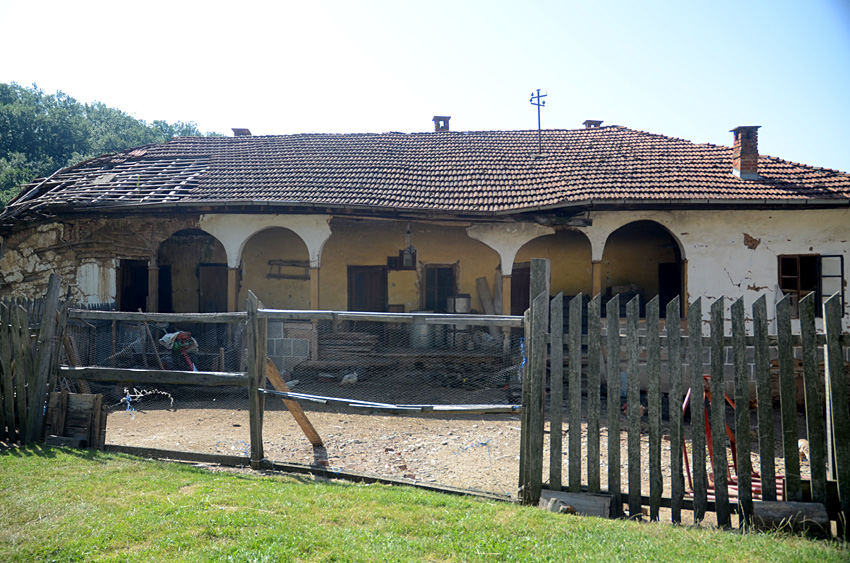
{"x": 827, "y": 435}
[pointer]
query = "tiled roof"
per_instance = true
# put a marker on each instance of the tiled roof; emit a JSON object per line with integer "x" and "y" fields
{"x": 492, "y": 172}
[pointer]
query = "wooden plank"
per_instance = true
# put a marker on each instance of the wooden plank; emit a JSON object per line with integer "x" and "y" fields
{"x": 497, "y": 294}
{"x": 700, "y": 481}
{"x": 612, "y": 312}
{"x": 535, "y": 418}
{"x": 674, "y": 405}
{"x": 525, "y": 404}
{"x": 594, "y": 393}
{"x": 742, "y": 414}
{"x": 486, "y": 301}
{"x": 83, "y": 314}
{"x": 575, "y": 393}
{"x": 7, "y": 393}
{"x": 792, "y": 518}
{"x": 65, "y": 441}
{"x": 788, "y": 402}
{"x": 634, "y": 406}
{"x": 718, "y": 417}
{"x": 837, "y": 408}
{"x": 43, "y": 361}
{"x": 653, "y": 368}
{"x": 98, "y": 425}
{"x": 61, "y": 325}
{"x": 294, "y": 408}
{"x": 815, "y": 431}
{"x": 556, "y": 393}
{"x": 22, "y": 359}
{"x": 585, "y": 504}
{"x": 764, "y": 396}
{"x": 155, "y": 376}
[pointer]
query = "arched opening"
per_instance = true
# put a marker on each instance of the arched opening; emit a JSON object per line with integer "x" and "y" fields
{"x": 276, "y": 267}
{"x": 570, "y": 256}
{"x": 192, "y": 273}
{"x": 643, "y": 258}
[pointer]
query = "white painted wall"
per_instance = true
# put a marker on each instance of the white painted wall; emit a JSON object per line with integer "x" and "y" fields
{"x": 97, "y": 282}
{"x": 719, "y": 262}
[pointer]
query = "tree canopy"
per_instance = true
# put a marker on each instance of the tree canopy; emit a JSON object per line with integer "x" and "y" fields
{"x": 41, "y": 133}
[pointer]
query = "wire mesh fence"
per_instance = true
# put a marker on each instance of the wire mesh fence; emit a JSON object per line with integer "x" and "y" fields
{"x": 419, "y": 397}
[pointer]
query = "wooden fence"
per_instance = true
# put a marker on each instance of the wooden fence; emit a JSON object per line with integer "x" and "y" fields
{"x": 28, "y": 359}
{"x": 642, "y": 343}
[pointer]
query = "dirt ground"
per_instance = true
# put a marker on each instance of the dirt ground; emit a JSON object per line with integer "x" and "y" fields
{"x": 477, "y": 452}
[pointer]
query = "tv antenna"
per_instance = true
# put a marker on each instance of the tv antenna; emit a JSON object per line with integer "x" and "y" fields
{"x": 536, "y": 100}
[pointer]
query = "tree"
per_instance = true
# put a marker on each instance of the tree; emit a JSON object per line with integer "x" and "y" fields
{"x": 40, "y": 133}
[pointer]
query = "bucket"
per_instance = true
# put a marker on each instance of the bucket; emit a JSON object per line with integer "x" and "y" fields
{"x": 463, "y": 303}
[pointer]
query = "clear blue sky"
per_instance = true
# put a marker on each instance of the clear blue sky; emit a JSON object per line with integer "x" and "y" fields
{"x": 685, "y": 69}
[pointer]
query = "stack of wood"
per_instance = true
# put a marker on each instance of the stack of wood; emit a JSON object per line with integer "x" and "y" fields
{"x": 347, "y": 346}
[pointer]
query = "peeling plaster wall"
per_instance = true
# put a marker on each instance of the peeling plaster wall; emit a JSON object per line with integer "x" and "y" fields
{"x": 734, "y": 253}
{"x": 83, "y": 252}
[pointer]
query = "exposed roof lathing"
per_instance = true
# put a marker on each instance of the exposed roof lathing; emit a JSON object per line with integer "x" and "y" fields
{"x": 453, "y": 172}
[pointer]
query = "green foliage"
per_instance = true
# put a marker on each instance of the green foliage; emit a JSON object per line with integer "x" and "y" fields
{"x": 73, "y": 505}
{"x": 40, "y": 133}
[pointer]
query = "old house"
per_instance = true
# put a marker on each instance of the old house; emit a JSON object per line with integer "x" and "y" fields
{"x": 401, "y": 222}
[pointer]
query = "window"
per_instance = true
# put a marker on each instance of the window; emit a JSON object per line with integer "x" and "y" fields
{"x": 439, "y": 286}
{"x": 802, "y": 274}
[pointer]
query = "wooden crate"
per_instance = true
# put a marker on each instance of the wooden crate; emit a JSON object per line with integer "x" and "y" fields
{"x": 76, "y": 419}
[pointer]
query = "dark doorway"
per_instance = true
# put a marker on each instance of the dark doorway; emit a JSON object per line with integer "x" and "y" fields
{"x": 367, "y": 288}
{"x": 520, "y": 288}
{"x": 133, "y": 281}
{"x": 669, "y": 285}
{"x": 166, "y": 305}
{"x": 439, "y": 286}
{"x": 212, "y": 290}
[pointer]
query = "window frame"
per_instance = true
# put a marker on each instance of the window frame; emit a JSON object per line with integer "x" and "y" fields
{"x": 798, "y": 291}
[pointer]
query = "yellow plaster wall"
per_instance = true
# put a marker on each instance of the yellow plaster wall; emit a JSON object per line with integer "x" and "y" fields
{"x": 570, "y": 256}
{"x": 274, "y": 244}
{"x": 370, "y": 243}
{"x": 632, "y": 255}
{"x": 183, "y": 253}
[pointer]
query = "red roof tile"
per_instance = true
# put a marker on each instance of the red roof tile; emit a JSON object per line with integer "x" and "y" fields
{"x": 460, "y": 172}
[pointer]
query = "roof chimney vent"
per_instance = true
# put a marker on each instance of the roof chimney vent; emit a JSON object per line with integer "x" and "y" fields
{"x": 745, "y": 152}
{"x": 441, "y": 122}
{"x": 241, "y": 132}
{"x": 592, "y": 123}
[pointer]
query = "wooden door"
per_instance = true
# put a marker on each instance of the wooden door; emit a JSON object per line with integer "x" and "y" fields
{"x": 367, "y": 288}
{"x": 520, "y": 288}
{"x": 212, "y": 288}
{"x": 133, "y": 281}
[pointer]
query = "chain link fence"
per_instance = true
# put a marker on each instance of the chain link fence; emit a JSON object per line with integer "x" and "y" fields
{"x": 419, "y": 397}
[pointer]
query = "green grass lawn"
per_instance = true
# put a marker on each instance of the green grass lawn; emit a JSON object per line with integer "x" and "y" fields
{"x": 67, "y": 505}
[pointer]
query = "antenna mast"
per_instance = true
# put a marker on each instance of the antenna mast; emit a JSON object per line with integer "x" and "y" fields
{"x": 537, "y": 101}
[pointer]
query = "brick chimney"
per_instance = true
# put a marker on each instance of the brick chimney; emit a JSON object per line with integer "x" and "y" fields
{"x": 592, "y": 123}
{"x": 745, "y": 152}
{"x": 441, "y": 122}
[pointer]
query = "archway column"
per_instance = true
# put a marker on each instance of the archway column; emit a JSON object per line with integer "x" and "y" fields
{"x": 507, "y": 239}
{"x": 153, "y": 286}
{"x": 596, "y": 273}
{"x": 314, "y": 288}
{"x": 232, "y": 288}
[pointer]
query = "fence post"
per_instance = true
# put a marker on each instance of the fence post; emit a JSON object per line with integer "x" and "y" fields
{"x": 256, "y": 369}
{"x": 575, "y": 394}
{"x": 837, "y": 407}
{"x": 594, "y": 391}
{"x": 653, "y": 368}
{"x": 556, "y": 393}
{"x": 814, "y": 407}
{"x": 788, "y": 401}
{"x": 765, "y": 401}
{"x": 742, "y": 415}
{"x": 612, "y": 312}
{"x": 634, "y": 406}
{"x": 697, "y": 409}
{"x": 531, "y": 465}
{"x": 674, "y": 406}
{"x": 718, "y": 417}
{"x": 6, "y": 365}
{"x": 44, "y": 349}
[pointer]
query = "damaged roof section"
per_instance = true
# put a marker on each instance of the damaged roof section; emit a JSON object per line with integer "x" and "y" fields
{"x": 487, "y": 172}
